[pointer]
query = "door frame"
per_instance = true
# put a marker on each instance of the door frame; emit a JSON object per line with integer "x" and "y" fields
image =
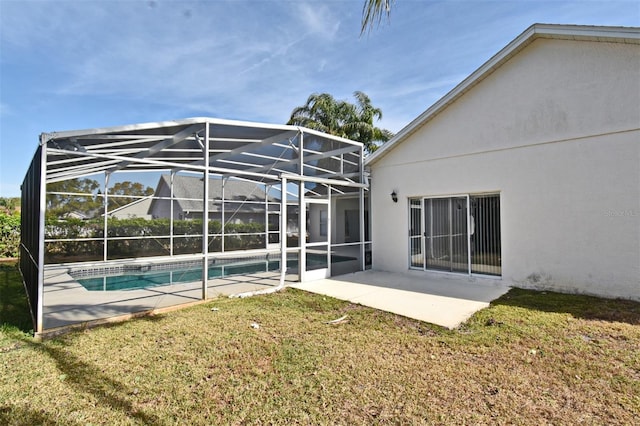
{"x": 423, "y": 225}
{"x": 320, "y": 273}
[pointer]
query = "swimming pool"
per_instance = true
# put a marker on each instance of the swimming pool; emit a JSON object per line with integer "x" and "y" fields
{"x": 140, "y": 280}
{"x": 176, "y": 273}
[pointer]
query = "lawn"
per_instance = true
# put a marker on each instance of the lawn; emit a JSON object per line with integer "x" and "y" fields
{"x": 530, "y": 358}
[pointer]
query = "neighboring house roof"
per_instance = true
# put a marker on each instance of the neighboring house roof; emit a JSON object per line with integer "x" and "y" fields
{"x": 137, "y": 208}
{"x": 188, "y": 192}
{"x": 536, "y": 31}
{"x": 77, "y": 215}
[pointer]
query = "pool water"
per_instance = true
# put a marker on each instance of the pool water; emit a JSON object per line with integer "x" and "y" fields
{"x": 136, "y": 281}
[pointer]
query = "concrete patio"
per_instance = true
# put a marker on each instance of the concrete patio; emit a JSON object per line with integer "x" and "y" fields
{"x": 443, "y": 299}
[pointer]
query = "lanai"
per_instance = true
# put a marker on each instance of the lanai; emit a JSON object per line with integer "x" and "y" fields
{"x": 68, "y": 193}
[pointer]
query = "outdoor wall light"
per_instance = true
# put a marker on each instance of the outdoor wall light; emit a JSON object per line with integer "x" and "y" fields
{"x": 394, "y": 196}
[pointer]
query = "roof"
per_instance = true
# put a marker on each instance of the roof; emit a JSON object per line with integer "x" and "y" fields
{"x": 137, "y": 208}
{"x": 536, "y": 31}
{"x": 188, "y": 192}
{"x": 254, "y": 151}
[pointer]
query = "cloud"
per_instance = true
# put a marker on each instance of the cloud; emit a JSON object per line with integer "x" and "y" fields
{"x": 417, "y": 86}
{"x": 254, "y": 59}
{"x": 251, "y": 59}
{"x": 218, "y": 53}
{"x": 318, "y": 19}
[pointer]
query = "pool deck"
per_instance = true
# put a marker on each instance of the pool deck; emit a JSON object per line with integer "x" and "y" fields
{"x": 443, "y": 299}
{"x": 67, "y": 302}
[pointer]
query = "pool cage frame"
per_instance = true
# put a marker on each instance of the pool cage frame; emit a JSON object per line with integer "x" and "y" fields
{"x": 315, "y": 166}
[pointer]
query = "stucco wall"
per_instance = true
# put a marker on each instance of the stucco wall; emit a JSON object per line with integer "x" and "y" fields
{"x": 556, "y": 132}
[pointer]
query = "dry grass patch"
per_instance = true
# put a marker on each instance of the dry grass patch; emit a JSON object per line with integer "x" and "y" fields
{"x": 531, "y": 358}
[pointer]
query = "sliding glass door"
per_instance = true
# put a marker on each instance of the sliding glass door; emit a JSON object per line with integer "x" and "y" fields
{"x": 446, "y": 246}
{"x": 455, "y": 234}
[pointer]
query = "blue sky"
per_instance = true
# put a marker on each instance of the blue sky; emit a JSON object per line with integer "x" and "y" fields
{"x": 68, "y": 65}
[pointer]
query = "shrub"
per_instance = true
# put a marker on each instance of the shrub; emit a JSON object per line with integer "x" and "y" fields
{"x": 154, "y": 241}
{"x": 9, "y": 234}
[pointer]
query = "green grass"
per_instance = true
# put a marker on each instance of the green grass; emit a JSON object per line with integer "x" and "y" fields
{"x": 14, "y": 307}
{"x": 531, "y": 358}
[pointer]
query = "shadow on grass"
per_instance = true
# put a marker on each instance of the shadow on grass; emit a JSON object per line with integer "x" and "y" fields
{"x": 84, "y": 377}
{"x": 11, "y": 415}
{"x": 14, "y": 306}
{"x": 87, "y": 379}
{"x": 580, "y": 306}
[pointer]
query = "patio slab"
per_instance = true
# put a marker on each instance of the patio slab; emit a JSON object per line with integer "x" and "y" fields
{"x": 443, "y": 299}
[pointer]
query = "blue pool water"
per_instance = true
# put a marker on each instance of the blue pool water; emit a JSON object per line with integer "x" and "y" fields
{"x": 133, "y": 281}
{"x": 139, "y": 280}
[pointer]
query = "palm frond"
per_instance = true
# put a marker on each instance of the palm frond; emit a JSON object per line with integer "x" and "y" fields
{"x": 372, "y": 13}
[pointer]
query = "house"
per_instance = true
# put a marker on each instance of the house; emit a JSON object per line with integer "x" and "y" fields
{"x": 528, "y": 170}
{"x": 135, "y": 209}
{"x": 244, "y": 200}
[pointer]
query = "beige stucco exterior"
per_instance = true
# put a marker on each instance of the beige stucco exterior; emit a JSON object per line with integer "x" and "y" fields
{"x": 555, "y": 130}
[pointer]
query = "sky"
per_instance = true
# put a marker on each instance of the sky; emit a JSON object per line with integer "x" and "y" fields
{"x": 79, "y": 64}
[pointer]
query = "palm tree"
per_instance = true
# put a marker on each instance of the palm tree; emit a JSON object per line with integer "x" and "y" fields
{"x": 372, "y": 13}
{"x": 321, "y": 112}
{"x": 360, "y": 125}
{"x": 340, "y": 118}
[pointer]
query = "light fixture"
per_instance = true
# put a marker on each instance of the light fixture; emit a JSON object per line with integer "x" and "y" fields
{"x": 394, "y": 196}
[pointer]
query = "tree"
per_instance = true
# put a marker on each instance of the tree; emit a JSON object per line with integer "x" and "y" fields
{"x": 9, "y": 204}
{"x": 73, "y": 196}
{"x": 372, "y": 13}
{"x": 340, "y": 118}
{"x": 128, "y": 188}
{"x": 360, "y": 128}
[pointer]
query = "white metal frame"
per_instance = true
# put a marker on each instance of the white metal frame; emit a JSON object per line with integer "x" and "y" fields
{"x": 266, "y": 153}
{"x": 319, "y": 273}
